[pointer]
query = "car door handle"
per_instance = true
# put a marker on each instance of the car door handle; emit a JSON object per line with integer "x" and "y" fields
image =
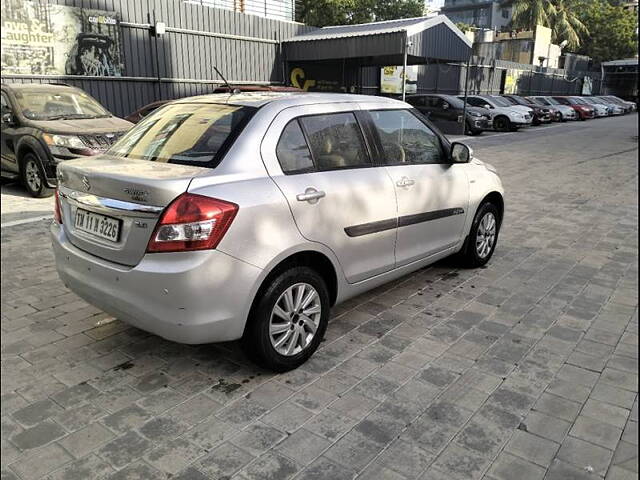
{"x": 310, "y": 195}
{"x": 405, "y": 182}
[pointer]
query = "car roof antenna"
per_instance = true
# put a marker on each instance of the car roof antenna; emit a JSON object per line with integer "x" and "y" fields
{"x": 231, "y": 89}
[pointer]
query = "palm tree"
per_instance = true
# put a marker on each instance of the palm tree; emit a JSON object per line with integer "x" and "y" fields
{"x": 565, "y": 25}
{"x": 558, "y": 15}
{"x": 526, "y": 14}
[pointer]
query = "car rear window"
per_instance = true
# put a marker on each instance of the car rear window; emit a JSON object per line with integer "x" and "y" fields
{"x": 188, "y": 133}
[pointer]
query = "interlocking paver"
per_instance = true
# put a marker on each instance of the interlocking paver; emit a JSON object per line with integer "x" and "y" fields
{"x": 532, "y": 448}
{"x": 443, "y": 374}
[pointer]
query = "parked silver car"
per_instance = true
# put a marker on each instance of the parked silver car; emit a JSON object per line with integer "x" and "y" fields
{"x": 248, "y": 216}
{"x": 566, "y": 112}
{"x": 505, "y": 116}
{"x": 612, "y": 108}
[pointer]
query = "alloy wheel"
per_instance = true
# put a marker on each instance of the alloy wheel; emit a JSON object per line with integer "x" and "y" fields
{"x": 486, "y": 235}
{"x": 32, "y": 176}
{"x": 295, "y": 318}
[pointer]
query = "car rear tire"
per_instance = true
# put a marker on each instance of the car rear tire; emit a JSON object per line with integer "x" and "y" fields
{"x": 33, "y": 177}
{"x": 483, "y": 236}
{"x": 502, "y": 124}
{"x": 288, "y": 320}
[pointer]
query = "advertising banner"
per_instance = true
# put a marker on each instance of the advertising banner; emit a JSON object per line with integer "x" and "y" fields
{"x": 391, "y": 79}
{"x": 511, "y": 81}
{"x": 45, "y": 39}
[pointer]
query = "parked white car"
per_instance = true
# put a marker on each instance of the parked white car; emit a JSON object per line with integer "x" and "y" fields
{"x": 567, "y": 112}
{"x": 505, "y": 116}
{"x": 612, "y": 107}
{"x": 248, "y": 216}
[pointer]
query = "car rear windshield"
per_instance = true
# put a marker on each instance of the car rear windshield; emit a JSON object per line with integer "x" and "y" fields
{"x": 65, "y": 104}
{"x": 188, "y": 133}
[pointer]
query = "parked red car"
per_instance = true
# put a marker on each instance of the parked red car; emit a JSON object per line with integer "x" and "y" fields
{"x": 582, "y": 108}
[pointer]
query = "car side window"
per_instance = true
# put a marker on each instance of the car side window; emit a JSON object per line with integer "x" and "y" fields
{"x": 405, "y": 139}
{"x": 335, "y": 140}
{"x": 292, "y": 150}
{"x": 476, "y": 102}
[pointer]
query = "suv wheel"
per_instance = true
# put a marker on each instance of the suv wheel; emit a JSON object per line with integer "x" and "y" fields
{"x": 483, "y": 236}
{"x": 472, "y": 131}
{"x": 288, "y": 321}
{"x": 33, "y": 177}
{"x": 502, "y": 124}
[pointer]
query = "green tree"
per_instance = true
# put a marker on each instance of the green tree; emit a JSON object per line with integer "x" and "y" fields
{"x": 526, "y": 14}
{"x": 612, "y": 30}
{"x": 566, "y": 24}
{"x": 558, "y": 15}
{"x": 464, "y": 27}
{"x": 320, "y": 13}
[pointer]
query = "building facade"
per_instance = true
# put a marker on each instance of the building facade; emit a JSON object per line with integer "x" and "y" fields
{"x": 492, "y": 14}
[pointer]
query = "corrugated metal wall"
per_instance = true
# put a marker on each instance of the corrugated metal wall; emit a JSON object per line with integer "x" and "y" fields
{"x": 449, "y": 78}
{"x": 245, "y": 48}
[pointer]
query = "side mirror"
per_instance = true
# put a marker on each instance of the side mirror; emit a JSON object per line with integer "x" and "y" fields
{"x": 487, "y": 106}
{"x": 8, "y": 119}
{"x": 461, "y": 153}
{"x": 445, "y": 106}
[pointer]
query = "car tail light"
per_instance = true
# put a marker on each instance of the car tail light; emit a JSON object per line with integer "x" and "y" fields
{"x": 57, "y": 215}
{"x": 192, "y": 222}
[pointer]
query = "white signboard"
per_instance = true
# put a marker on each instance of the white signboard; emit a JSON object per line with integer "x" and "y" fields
{"x": 391, "y": 79}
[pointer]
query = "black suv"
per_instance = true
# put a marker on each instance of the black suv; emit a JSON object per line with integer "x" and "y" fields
{"x": 445, "y": 111}
{"x": 44, "y": 124}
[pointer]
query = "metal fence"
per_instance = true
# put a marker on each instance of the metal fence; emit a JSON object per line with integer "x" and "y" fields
{"x": 245, "y": 48}
{"x": 492, "y": 78}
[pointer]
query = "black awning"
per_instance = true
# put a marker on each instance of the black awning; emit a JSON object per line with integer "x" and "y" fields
{"x": 382, "y": 43}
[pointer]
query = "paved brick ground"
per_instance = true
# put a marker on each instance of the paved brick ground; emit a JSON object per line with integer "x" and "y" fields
{"x": 526, "y": 369}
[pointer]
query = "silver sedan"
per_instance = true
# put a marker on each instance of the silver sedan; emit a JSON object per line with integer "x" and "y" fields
{"x": 248, "y": 216}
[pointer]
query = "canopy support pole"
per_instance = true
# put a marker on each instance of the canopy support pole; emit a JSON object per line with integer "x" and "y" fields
{"x": 466, "y": 93}
{"x": 404, "y": 66}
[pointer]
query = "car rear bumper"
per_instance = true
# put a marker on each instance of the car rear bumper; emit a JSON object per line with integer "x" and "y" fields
{"x": 187, "y": 297}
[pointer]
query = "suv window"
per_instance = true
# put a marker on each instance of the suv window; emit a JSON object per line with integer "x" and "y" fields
{"x": 476, "y": 102}
{"x": 6, "y": 106}
{"x": 405, "y": 139}
{"x": 418, "y": 101}
{"x": 335, "y": 141}
{"x": 292, "y": 150}
{"x": 434, "y": 102}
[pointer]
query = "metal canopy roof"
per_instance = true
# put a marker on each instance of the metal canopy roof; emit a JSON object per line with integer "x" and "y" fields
{"x": 383, "y": 42}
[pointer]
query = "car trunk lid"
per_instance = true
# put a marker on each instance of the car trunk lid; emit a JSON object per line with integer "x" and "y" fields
{"x": 112, "y": 191}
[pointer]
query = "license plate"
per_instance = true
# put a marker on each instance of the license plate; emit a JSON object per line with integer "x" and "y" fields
{"x": 98, "y": 225}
